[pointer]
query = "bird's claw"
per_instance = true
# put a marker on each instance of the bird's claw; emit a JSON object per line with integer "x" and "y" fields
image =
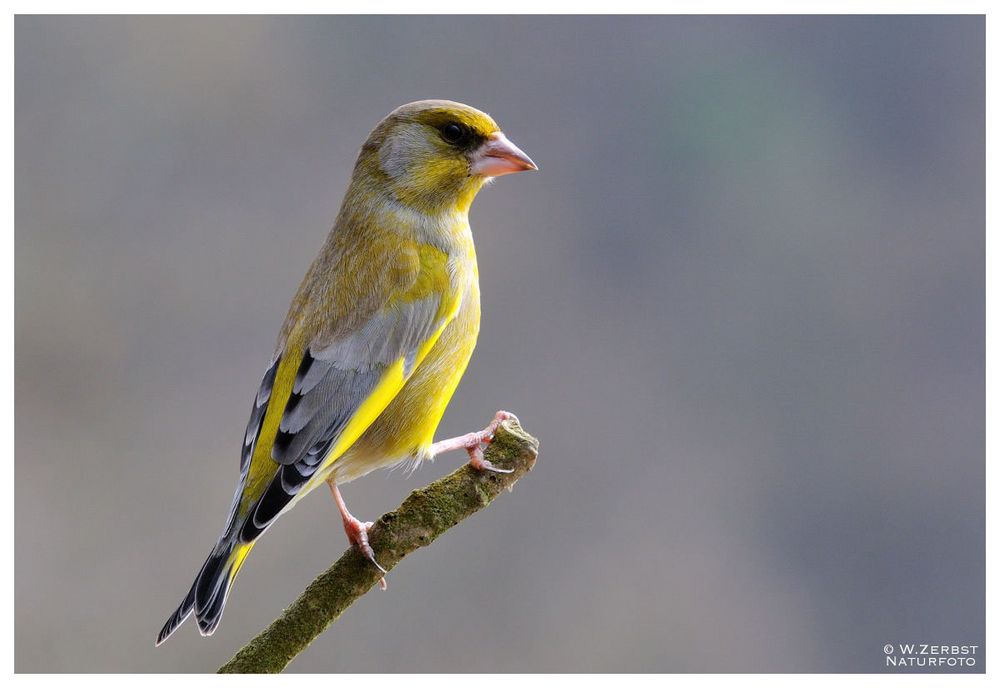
{"x": 357, "y": 534}
{"x": 481, "y": 463}
{"x": 490, "y": 430}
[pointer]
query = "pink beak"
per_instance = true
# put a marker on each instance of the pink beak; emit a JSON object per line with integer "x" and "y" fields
{"x": 498, "y": 156}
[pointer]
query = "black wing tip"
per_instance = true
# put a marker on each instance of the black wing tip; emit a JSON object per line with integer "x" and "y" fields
{"x": 270, "y": 505}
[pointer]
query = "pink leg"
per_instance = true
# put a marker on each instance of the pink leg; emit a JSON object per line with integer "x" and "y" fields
{"x": 472, "y": 442}
{"x": 357, "y": 532}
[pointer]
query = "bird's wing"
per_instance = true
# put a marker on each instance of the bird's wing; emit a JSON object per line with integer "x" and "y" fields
{"x": 317, "y": 399}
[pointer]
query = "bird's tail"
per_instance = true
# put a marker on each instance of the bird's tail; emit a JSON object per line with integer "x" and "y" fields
{"x": 208, "y": 594}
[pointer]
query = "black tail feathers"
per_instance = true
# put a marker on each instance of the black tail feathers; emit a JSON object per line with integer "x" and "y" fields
{"x": 208, "y": 594}
{"x": 177, "y": 618}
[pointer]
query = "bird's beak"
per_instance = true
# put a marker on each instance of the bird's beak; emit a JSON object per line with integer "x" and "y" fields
{"x": 498, "y": 156}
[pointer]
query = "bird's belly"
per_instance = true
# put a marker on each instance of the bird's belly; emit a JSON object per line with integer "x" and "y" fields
{"x": 406, "y": 428}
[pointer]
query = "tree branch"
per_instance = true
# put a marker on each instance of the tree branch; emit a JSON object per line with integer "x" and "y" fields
{"x": 419, "y": 520}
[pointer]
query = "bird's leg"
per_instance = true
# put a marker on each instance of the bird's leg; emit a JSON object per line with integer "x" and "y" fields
{"x": 472, "y": 443}
{"x": 357, "y": 532}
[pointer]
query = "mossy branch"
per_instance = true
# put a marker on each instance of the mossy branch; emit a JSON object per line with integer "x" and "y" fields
{"x": 419, "y": 520}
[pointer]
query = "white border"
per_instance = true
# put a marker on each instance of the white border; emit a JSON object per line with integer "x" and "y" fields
{"x": 507, "y": 7}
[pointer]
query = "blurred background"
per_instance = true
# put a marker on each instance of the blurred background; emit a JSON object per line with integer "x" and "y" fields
{"x": 741, "y": 305}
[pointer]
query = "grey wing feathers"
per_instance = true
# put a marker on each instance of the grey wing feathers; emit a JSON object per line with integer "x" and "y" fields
{"x": 257, "y": 413}
{"x": 332, "y": 381}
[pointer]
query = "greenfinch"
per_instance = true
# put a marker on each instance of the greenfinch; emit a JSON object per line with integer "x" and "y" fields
{"x": 375, "y": 340}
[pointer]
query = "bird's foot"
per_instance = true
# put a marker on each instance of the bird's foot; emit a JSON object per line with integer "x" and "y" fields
{"x": 490, "y": 429}
{"x": 357, "y": 532}
{"x": 476, "y": 457}
{"x": 472, "y": 443}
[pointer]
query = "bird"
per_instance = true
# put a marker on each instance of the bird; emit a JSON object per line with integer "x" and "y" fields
{"x": 376, "y": 339}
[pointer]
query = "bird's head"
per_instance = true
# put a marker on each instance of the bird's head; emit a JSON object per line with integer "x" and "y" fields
{"x": 434, "y": 155}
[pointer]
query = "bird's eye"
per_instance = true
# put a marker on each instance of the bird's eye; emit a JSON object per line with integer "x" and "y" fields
{"x": 453, "y": 133}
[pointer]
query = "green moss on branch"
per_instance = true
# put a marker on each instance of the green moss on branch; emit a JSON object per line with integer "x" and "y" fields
{"x": 419, "y": 520}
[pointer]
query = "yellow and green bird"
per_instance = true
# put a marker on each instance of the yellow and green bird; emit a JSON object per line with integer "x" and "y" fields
{"x": 376, "y": 339}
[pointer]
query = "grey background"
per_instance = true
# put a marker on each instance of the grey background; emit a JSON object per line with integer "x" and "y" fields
{"x": 742, "y": 305}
